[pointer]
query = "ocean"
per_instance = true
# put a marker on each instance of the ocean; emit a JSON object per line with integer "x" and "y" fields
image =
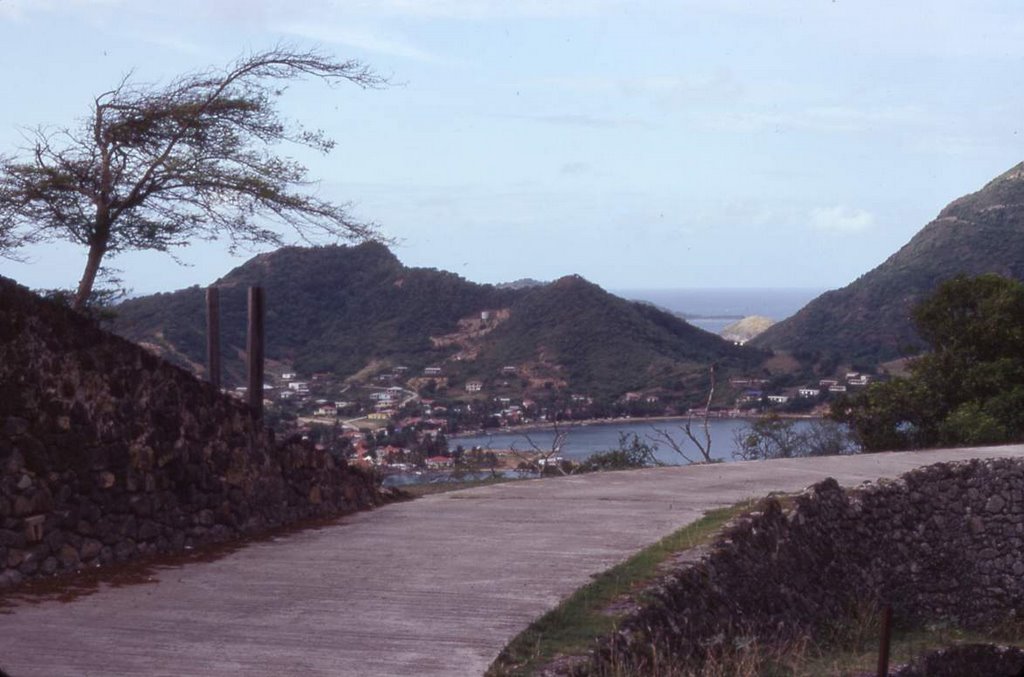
{"x": 715, "y": 309}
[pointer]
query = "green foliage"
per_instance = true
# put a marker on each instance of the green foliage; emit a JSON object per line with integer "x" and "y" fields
{"x": 632, "y": 452}
{"x": 968, "y": 390}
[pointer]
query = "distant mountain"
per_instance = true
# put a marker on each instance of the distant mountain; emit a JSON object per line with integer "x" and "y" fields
{"x": 869, "y": 320}
{"x": 358, "y": 310}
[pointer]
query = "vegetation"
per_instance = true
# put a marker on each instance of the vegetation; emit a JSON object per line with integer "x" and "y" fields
{"x": 868, "y": 321}
{"x": 774, "y": 437}
{"x": 574, "y": 625}
{"x": 339, "y": 309}
{"x": 632, "y": 452}
{"x": 968, "y": 390}
{"x": 158, "y": 167}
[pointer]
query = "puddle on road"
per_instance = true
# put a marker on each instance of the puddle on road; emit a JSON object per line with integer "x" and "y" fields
{"x": 69, "y": 587}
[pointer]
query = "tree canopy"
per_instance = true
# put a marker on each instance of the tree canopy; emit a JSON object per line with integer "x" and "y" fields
{"x": 969, "y": 389}
{"x": 156, "y": 167}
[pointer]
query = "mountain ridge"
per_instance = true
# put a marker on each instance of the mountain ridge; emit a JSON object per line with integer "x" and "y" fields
{"x": 869, "y": 320}
{"x": 342, "y": 309}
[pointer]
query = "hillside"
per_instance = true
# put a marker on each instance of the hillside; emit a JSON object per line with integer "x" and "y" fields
{"x": 869, "y": 320}
{"x": 349, "y": 310}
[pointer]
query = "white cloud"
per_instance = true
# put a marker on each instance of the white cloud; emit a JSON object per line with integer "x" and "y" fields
{"x": 841, "y": 219}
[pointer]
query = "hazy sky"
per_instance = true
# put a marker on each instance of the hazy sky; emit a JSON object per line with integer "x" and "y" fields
{"x": 682, "y": 143}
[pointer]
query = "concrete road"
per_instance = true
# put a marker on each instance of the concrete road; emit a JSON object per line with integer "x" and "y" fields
{"x": 436, "y": 586}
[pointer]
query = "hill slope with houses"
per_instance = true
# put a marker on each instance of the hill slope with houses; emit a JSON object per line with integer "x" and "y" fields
{"x": 869, "y": 321}
{"x": 357, "y": 312}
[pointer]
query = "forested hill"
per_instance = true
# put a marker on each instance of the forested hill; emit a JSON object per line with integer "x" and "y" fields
{"x": 869, "y": 320}
{"x": 350, "y": 310}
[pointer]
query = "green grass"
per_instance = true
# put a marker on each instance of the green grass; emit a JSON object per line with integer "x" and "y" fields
{"x": 573, "y": 626}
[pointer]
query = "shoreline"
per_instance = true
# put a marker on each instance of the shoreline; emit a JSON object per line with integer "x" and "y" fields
{"x": 566, "y": 426}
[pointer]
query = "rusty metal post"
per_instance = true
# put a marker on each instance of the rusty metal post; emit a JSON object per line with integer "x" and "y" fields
{"x": 213, "y": 335}
{"x": 883, "y": 645}
{"x": 254, "y": 351}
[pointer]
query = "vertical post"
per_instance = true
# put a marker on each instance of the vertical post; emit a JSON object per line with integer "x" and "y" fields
{"x": 213, "y": 335}
{"x": 883, "y": 645}
{"x": 254, "y": 351}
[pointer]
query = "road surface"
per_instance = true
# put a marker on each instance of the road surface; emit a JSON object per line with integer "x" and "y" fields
{"x": 435, "y": 586}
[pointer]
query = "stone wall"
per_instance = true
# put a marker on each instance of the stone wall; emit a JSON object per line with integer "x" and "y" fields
{"x": 942, "y": 542}
{"x": 108, "y": 453}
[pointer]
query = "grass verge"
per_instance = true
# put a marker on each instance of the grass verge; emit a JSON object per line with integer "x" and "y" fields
{"x": 572, "y": 627}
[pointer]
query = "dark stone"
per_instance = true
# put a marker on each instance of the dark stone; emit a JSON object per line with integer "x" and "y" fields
{"x": 49, "y": 566}
{"x": 148, "y": 530}
{"x": 90, "y": 548}
{"x": 12, "y": 538}
{"x": 124, "y": 550}
{"x": 68, "y": 556}
{"x": 14, "y": 426}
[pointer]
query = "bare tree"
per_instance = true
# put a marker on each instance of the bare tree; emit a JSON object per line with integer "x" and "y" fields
{"x": 548, "y": 455}
{"x": 158, "y": 167}
{"x": 678, "y": 445}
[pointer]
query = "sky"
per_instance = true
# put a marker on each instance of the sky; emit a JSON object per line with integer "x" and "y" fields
{"x": 640, "y": 144}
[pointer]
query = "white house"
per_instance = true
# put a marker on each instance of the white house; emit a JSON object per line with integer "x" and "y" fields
{"x": 809, "y": 392}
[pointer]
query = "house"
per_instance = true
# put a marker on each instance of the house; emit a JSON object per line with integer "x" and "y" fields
{"x": 828, "y": 382}
{"x": 837, "y": 389}
{"x": 288, "y": 375}
{"x": 809, "y": 392}
{"x": 380, "y": 415}
{"x": 326, "y": 410}
{"x": 432, "y": 371}
{"x": 474, "y": 386}
{"x": 299, "y": 386}
{"x": 509, "y": 370}
{"x": 778, "y": 399}
{"x": 438, "y": 462}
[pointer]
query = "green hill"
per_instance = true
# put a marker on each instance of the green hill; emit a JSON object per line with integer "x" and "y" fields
{"x": 357, "y": 309}
{"x": 868, "y": 321}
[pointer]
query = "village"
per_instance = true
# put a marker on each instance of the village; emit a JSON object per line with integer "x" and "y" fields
{"x": 406, "y": 421}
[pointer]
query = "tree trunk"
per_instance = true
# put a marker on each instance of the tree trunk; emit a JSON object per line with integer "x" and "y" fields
{"x": 92, "y": 267}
